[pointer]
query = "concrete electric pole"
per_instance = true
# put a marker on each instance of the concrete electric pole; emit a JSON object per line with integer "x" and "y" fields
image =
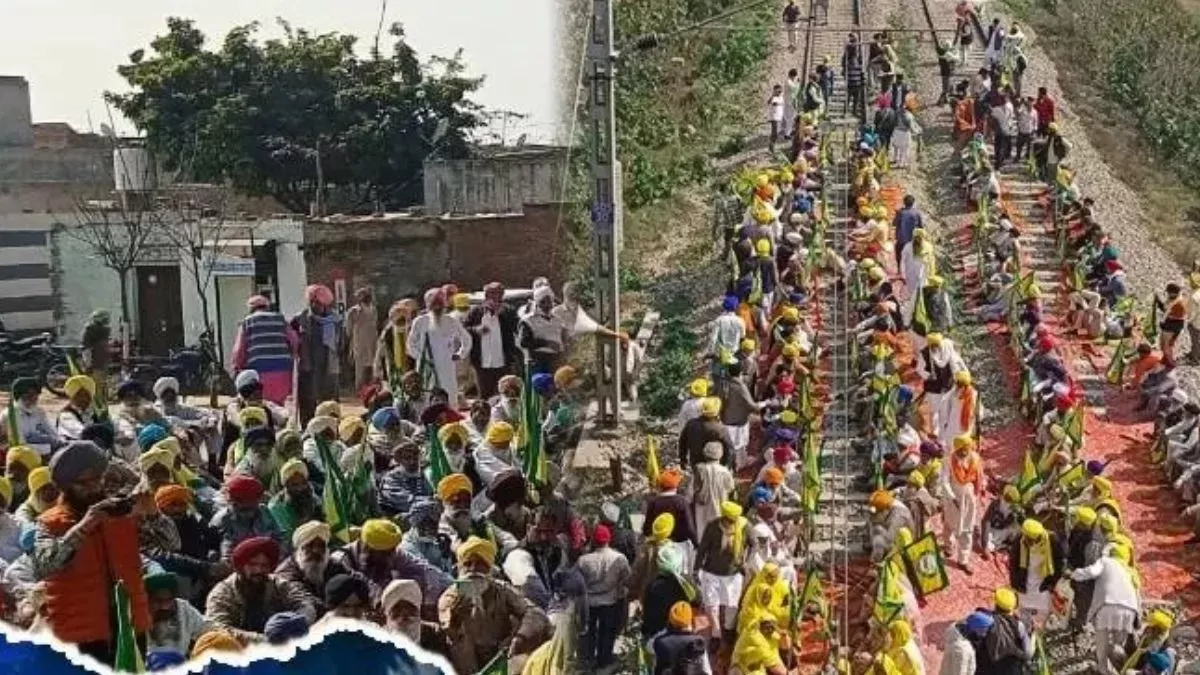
{"x": 606, "y": 206}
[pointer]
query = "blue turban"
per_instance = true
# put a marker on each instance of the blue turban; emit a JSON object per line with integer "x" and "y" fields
{"x": 285, "y": 626}
{"x": 797, "y": 298}
{"x": 904, "y": 393}
{"x": 385, "y": 416}
{"x": 1159, "y": 661}
{"x": 543, "y": 383}
{"x": 149, "y": 435}
{"x": 163, "y": 659}
{"x": 743, "y": 287}
{"x": 760, "y": 495}
{"x": 730, "y": 303}
{"x": 28, "y": 537}
{"x": 785, "y": 434}
{"x": 1095, "y": 467}
{"x": 979, "y": 623}
{"x": 802, "y": 206}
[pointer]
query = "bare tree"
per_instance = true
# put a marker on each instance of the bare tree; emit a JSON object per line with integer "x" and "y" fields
{"x": 194, "y": 220}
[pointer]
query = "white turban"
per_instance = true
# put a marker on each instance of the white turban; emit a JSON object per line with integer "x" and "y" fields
{"x": 543, "y": 292}
{"x": 518, "y": 567}
{"x": 245, "y": 379}
{"x": 308, "y": 532}
{"x": 319, "y": 424}
{"x": 400, "y": 590}
{"x": 164, "y": 383}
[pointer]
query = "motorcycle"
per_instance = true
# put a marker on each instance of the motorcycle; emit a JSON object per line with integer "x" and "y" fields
{"x": 194, "y": 367}
{"x": 37, "y": 357}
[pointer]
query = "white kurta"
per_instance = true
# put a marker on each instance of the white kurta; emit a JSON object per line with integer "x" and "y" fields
{"x": 959, "y": 518}
{"x": 447, "y": 338}
{"x": 712, "y": 484}
{"x": 1034, "y": 600}
{"x": 915, "y": 269}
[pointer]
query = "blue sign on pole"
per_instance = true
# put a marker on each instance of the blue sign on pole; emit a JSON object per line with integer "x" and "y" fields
{"x": 602, "y": 216}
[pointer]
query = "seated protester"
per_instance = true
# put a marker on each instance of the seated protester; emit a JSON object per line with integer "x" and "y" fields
{"x": 242, "y": 602}
{"x": 481, "y": 616}
{"x": 215, "y": 641}
{"x": 422, "y": 538}
{"x": 401, "y": 603}
{"x": 297, "y": 502}
{"x": 19, "y": 461}
{"x": 43, "y": 494}
{"x": 10, "y": 527}
{"x": 456, "y": 443}
{"x": 245, "y": 517}
{"x": 199, "y": 423}
{"x": 478, "y": 418}
{"x": 439, "y": 412}
{"x": 31, "y": 423}
{"x": 1182, "y": 441}
{"x": 249, "y": 395}
{"x": 310, "y": 565}
{"x": 250, "y": 419}
{"x": 507, "y": 405}
{"x": 194, "y": 561}
{"x": 1114, "y": 287}
{"x": 521, "y": 572}
{"x": 377, "y": 556}
{"x": 346, "y": 597}
{"x": 458, "y": 522}
{"x": 757, "y": 648}
{"x": 779, "y": 493}
{"x": 18, "y": 578}
{"x": 132, "y": 413}
{"x": 507, "y": 493}
{"x": 387, "y": 431}
{"x": 175, "y": 623}
{"x": 80, "y": 410}
{"x": 404, "y": 482}
{"x": 84, "y": 544}
{"x": 493, "y": 458}
{"x": 321, "y": 431}
{"x": 258, "y": 459}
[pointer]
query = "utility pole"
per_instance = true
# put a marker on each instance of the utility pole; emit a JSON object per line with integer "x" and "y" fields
{"x": 606, "y": 206}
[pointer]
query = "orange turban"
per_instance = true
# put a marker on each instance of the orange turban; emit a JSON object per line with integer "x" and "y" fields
{"x": 773, "y": 477}
{"x": 680, "y": 615}
{"x": 215, "y": 641}
{"x": 172, "y": 495}
{"x": 669, "y": 479}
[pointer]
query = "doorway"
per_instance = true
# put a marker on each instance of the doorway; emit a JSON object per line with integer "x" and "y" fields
{"x": 160, "y": 311}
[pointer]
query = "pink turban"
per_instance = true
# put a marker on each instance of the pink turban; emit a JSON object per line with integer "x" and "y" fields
{"x": 435, "y": 295}
{"x": 258, "y": 302}
{"x": 319, "y": 294}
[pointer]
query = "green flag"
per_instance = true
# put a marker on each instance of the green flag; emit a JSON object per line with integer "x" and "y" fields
{"x": 811, "y": 488}
{"x": 1115, "y": 373}
{"x": 428, "y": 370}
{"x": 920, "y": 317}
{"x": 128, "y": 657}
{"x": 439, "y": 464}
{"x": 335, "y": 498}
{"x": 533, "y": 459}
{"x": 1150, "y": 331}
{"x": 497, "y": 666}
{"x": 14, "y": 432}
{"x": 1043, "y": 663}
{"x": 1074, "y": 426}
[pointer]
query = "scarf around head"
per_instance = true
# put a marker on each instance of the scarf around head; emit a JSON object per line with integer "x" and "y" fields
{"x": 1043, "y": 547}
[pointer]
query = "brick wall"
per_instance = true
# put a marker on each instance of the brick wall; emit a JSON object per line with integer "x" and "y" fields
{"x": 401, "y": 256}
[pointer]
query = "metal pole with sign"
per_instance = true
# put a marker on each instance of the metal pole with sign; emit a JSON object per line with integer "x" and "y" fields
{"x": 606, "y": 205}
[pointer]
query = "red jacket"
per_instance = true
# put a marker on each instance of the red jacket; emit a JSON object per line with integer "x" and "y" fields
{"x": 79, "y": 595}
{"x": 1045, "y": 110}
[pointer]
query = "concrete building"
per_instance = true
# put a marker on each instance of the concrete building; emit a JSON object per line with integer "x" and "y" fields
{"x": 499, "y": 179}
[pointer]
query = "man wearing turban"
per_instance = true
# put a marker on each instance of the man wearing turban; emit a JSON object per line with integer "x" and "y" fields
{"x": 245, "y": 516}
{"x": 362, "y": 332}
{"x": 80, "y": 410}
{"x": 480, "y": 616}
{"x": 719, "y": 560}
{"x": 680, "y": 646}
{"x": 199, "y": 421}
{"x": 401, "y": 603}
{"x": 19, "y": 462}
{"x": 297, "y": 502}
{"x": 459, "y": 521}
{"x": 310, "y": 566}
{"x": 10, "y": 527}
{"x": 668, "y": 500}
{"x": 888, "y": 516}
{"x": 378, "y": 556}
{"x": 176, "y": 623}
{"x": 193, "y": 560}
{"x": 422, "y": 538}
{"x": 605, "y": 572}
{"x": 242, "y": 603}
{"x": 320, "y": 332}
{"x": 83, "y": 545}
{"x": 493, "y": 325}
{"x": 701, "y": 431}
{"x": 1036, "y": 562}
{"x": 436, "y": 343}
{"x": 32, "y": 424}
{"x": 347, "y": 596}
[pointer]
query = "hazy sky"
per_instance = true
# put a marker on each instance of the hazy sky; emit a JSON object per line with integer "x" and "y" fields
{"x": 69, "y": 49}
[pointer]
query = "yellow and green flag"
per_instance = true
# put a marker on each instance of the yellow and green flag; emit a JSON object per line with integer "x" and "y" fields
{"x": 811, "y": 487}
{"x": 1115, "y": 373}
{"x": 653, "y": 469}
{"x": 1150, "y": 332}
{"x": 1073, "y": 425}
{"x": 128, "y": 656}
{"x": 1029, "y": 477}
{"x": 889, "y": 597}
{"x": 1074, "y": 479}
{"x": 925, "y": 560}
{"x": 497, "y": 666}
{"x": 13, "y": 431}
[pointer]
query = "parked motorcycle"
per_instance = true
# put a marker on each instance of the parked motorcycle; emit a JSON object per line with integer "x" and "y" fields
{"x": 37, "y": 357}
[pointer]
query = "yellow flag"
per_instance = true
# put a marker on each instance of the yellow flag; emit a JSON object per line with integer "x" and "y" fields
{"x": 652, "y": 466}
{"x": 925, "y": 560}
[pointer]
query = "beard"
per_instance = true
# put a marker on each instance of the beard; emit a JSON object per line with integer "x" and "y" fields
{"x": 166, "y": 630}
{"x": 410, "y": 628}
{"x": 80, "y": 503}
{"x": 313, "y": 570}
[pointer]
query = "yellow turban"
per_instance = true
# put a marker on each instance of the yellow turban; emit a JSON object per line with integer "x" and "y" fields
{"x": 730, "y": 510}
{"x": 1102, "y": 486}
{"x": 1005, "y": 600}
{"x": 380, "y": 535}
{"x": 789, "y": 417}
{"x": 499, "y": 433}
{"x": 963, "y": 377}
{"x": 698, "y": 388}
{"x": 662, "y": 527}
{"x": 293, "y": 467}
{"x": 916, "y": 479}
{"x": 452, "y": 485}
{"x": 460, "y": 301}
{"x": 791, "y": 314}
{"x": 710, "y": 406}
{"x": 564, "y": 377}
{"x": 1032, "y": 529}
{"x": 215, "y": 641}
{"x": 77, "y": 382}
{"x": 477, "y": 548}
{"x": 964, "y": 442}
{"x": 680, "y": 615}
{"x": 1160, "y": 620}
{"x": 876, "y": 274}
{"x": 1108, "y": 523}
{"x": 38, "y": 479}
{"x": 790, "y": 351}
{"x": 329, "y": 409}
{"x": 749, "y": 345}
{"x": 23, "y": 455}
{"x": 169, "y": 444}
{"x": 156, "y": 456}
{"x": 934, "y": 339}
{"x": 763, "y": 247}
{"x": 6, "y": 490}
{"x": 935, "y": 281}
{"x": 252, "y": 414}
{"x": 1011, "y": 494}
{"x": 454, "y": 430}
{"x": 349, "y": 426}
{"x": 881, "y": 500}
{"x": 1084, "y": 516}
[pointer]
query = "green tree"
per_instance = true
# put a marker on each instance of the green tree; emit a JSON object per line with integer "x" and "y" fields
{"x": 303, "y": 118}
